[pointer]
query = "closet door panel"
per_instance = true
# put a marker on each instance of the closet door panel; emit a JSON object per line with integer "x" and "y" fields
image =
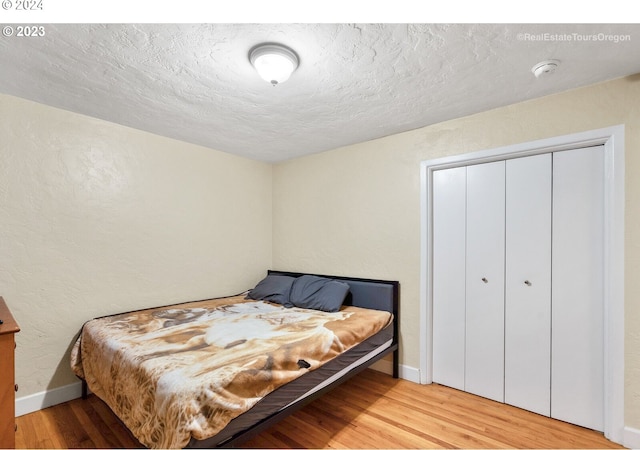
{"x": 484, "y": 341}
{"x": 528, "y": 283}
{"x": 577, "y": 289}
{"x": 449, "y": 218}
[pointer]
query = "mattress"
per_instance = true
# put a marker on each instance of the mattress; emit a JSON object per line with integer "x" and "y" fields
{"x": 186, "y": 371}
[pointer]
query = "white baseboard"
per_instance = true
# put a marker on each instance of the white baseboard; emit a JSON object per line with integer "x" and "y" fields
{"x": 631, "y": 438}
{"x": 406, "y": 372}
{"x": 410, "y": 373}
{"x": 42, "y": 400}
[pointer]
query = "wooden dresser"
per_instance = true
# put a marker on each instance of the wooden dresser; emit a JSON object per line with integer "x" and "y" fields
{"x": 8, "y": 329}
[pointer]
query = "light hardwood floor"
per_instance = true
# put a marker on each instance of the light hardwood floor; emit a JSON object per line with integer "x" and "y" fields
{"x": 372, "y": 410}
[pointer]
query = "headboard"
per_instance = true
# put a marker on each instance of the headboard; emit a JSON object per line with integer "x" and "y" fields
{"x": 365, "y": 293}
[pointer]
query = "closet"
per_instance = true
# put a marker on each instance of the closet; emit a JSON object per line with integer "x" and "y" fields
{"x": 517, "y": 282}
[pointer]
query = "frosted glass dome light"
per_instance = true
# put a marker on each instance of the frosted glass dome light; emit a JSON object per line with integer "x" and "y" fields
{"x": 274, "y": 63}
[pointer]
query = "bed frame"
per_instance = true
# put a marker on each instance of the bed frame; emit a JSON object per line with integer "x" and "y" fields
{"x": 366, "y": 293}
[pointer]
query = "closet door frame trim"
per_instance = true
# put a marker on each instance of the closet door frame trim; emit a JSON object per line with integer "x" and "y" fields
{"x": 613, "y": 140}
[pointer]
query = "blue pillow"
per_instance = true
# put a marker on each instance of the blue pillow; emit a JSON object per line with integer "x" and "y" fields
{"x": 313, "y": 292}
{"x": 273, "y": 288}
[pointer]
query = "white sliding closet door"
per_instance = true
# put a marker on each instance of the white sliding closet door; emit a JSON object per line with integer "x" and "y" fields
{"x": 484, "y": 340}
{"x": 577, "y": 384}
{"x": 449, "y": 219}
{"x": 528, "y": 283}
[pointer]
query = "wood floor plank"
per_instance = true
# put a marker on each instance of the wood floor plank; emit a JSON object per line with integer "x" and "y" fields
{"x": 99, "y": 436}
{"x": 121, "y": 435}
{"x": 445, "y": 429}
{"x": 372, "y": 410}
{"x": 363, "y": 415}
{"x": 69, "y": 427}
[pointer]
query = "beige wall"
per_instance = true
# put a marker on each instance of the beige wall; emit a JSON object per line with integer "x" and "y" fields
{"x": 97, "y": 218}
{"x": 356, "y": 210}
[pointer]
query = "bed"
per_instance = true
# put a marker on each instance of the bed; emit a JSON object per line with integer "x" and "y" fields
{"x": 216, "y": 372}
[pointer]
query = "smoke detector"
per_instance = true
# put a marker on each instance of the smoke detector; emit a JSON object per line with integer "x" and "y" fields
{"x": 544, "y": 68}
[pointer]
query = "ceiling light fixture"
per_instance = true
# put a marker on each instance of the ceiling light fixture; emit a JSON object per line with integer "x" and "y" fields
{"x": 274, "y": 62}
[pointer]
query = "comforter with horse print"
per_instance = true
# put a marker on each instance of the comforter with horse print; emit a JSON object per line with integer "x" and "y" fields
{"x": 186, "y": 370}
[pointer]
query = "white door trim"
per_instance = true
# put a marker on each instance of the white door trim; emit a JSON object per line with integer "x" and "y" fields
{"x": 613, "y": 140}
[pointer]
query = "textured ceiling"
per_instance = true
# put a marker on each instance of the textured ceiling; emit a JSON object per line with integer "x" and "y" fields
{"x": 355, "y": 82}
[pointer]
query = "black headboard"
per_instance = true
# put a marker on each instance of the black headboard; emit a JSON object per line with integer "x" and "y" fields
{"x": 365, "y": 293}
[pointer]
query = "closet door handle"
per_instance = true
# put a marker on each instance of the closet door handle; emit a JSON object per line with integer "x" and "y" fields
{"x": 485, "y": 280}
{"x": 527, "y": 282}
